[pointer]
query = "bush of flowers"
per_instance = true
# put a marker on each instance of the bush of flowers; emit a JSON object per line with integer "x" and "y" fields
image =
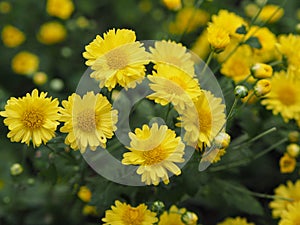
{"x": 150, "y": 112}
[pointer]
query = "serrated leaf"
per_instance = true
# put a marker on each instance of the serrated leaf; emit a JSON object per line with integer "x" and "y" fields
{"x": 241, "y": 30}
{"x": 253, "y": 42}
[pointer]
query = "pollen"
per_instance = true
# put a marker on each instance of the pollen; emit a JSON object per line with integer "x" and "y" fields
{"x": 154, "y": 156}
{"x": 86, "y": 120}
{"x": 133, "y": 216}
{"x": 33, "y": 119}
{"x": 116, "y": 59}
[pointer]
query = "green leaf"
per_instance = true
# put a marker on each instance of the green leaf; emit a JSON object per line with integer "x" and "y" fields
{"x": 253, "y": 42}
{"x": 240, "y": 198}
{"x": 241, "y": 30}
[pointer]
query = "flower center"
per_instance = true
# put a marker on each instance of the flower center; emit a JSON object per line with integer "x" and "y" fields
{"x": 116, "y": 59}
{"x": 154, "y": 156}
{"x": 132, "y": 216}
{"x": 86, "y": 120}
{"x": 287, "y": 96}
{"x": 205, "y": 121}
{"x": 33, "y": 119}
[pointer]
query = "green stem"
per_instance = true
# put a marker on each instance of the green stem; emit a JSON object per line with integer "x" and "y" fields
{"x": 230, "y": 114}
{"x": 256, "y": 137}
{"x": 247, "y": 160}
{"x": 168, "y": 112}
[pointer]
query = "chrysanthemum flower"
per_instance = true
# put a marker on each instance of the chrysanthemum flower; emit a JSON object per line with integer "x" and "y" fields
{"x": 287, "y": 194}
{"x": 238, "y": 65}
{"x": 271, "y": 13}
{"x": 235, "y": 221}
{"x": 170, "y": 52}
{"x": 125, "y": 214}
{"x": 172, "y": 85}
{"x": 84, "y": 194}
{"x": 155, "y": 150}
{"x": 289, "y": 46}
{"x": 60, "y": 8}
{"x": 291, "y": 215}
{"x": 284, "y": 97}
{"x": 173, "y": 216}
{"x": 31, "y": 118}
{"x": 188, "y": 20}
{"x": 12, "y": 36}
{"x": 201, "y": 46}
{"x": 218, "y": 37}
{"x": 173, "y": 4}
{"x": 89, "y": 121}
{"x": 203, "y": 123}
{"x": 25, "y": 63}
{"x": 117, "y": 58}
{"x": 229, "y": 21}
{"x": 52, "y": 33}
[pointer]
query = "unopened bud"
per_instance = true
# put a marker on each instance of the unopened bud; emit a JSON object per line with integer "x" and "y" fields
{"x": 294, "y": 136}
{"x": 16, "y": 169}
{"x": 189, "y": 218}
{"x": 40, "y": 78}
{"x": 241, "y": 91}
{"x": 158, "y": 207}
{"x": 222, "y": 140}
{"x": 262, "y": 87}
{"x": 293, "y": 150}
{"x": 261, "y": 70}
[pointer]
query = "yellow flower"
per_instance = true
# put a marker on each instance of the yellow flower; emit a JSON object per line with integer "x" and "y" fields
{"x": 270, "y": 13}
{"x": 267, "y": 40}
{"x": 222, "y": 140}
{"x": 5, "y": 7}
{"x": 291, "y": 215}
{"x": 238, "y": 65}
{"x": 261, "y": 71}
{"x": 173, "y": 4}
{"x": 203, "y": 122}
{"x": 31, "y": 118}
{"x": 12, "y": 36}
{"x": 287, "y": 164}
{"x": 284, "y": 98}
{"x": 188, "y": 20}
{"x": 156, "y": 150}
{"x": 262, "y": 87}
{"x": 52, "y": 33}
{"x": 125, "y": 214}
{"x": 117, "y": 59}
{"x": 88, "y": 120}
{"x": 218, "y": 37}
{"x": 285, "y": 195}
{"x": 235, "y": 221}
{"x": 201, "y": 46}
{"x": 289, "y": 46}
{"x": 175, "y": 54}
{"x": 25, "y": 63}
{"x": 172, "y": 85}
{"x": 60, "y": 8}
{"x": 293, "y": 150}
{"x": 229, "y": 21}
{"x": 171, "y": 217}
{"x": 84, "y": 194}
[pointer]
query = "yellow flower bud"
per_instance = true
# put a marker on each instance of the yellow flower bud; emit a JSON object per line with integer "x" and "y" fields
{"x": 287, "y": 163}
{"x": 222, "y": 140}
{"x": 158, "y": 207}
{"x": 217, "y": 37}
{"x": 12, "y": 37}
{"x": 189, "y": 218}
{"x": 173, "y": 4}
{"x": 84, "y": 194}
{"x": 262, "y": 87}
{"x": 40, "y": 78}
{"x": 293, "y": 150}
{"x": 5, "y": 7}
{"x": 294, "y": 136}
{"x": 261, "y": 70}
{"x": 16, "y": 169}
